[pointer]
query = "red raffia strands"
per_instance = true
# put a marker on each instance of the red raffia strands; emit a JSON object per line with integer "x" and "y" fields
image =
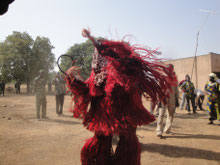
{"x": 116, "y": 107}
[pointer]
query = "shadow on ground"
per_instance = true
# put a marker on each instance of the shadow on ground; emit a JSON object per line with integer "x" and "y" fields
{"x": 193, "y": 136}
{"x": 191, "y": 116}
{"x": 61, "y": 121}
{"x": 178, "y": 152}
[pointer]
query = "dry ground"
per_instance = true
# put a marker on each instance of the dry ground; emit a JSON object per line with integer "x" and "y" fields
{"x": 58, "y": 140}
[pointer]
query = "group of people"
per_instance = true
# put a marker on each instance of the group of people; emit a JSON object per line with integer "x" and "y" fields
{"x": 17, "y": 87}
{"x": 40, "y": 91}
{"x": 196, "y": 96}
{"x": 193, "y": 96}
{"x": 110, "y": 100}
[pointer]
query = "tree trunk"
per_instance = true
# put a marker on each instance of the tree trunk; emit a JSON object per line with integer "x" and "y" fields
{"x": 28, "y": 86}
{"x": 49, "y": 87}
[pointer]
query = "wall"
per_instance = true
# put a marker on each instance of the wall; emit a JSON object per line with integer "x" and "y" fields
{"x": 215, "y": 61}
{"x": 184, "y": 66}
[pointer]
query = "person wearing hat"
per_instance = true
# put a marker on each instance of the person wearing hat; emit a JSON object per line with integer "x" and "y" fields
{"x": 213, "y": 89}
{"x": 40, "y": 91}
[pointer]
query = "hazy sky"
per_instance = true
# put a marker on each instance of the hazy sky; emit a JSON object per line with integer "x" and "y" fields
{"x": 170, "y": 25}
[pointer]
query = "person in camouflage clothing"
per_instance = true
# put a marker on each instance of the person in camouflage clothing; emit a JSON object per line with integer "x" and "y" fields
{"x": 188, "y": 89}
{"x": 40, "y": 91}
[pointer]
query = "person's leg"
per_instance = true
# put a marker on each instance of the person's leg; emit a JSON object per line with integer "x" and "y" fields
{"x": 212, "y": 112}
{"x": 57, "y": 104}
{"x": 200, "y": 102}
{"x": 128, "y": 149}
{"x": 188, "y": 104}
{"x": 193, "y": 104}
{"x": 38, "y": 107}
{"x": 44, "y": 106}
{"x": 169, "y": 121}
{"x": 152, "y": 107}
{"x": 97, "y": 151}
{"x": 218, "y": 111}
{"x": 61, "y": 103}
{"x": 197, "y": 98}
{"x": 159, "y": 129}
{"x": 182, "y": 101}
{"x": 157, "y": 107}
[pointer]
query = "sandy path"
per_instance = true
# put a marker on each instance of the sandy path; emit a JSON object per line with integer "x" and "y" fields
{"x": 58, "y": 140}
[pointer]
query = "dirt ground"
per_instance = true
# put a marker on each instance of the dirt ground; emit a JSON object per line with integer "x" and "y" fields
{"x": 58, "y": 140}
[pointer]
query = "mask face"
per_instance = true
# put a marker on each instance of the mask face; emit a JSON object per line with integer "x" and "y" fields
{"x": 98, "y": 63}
{"x": 212, "y": 79}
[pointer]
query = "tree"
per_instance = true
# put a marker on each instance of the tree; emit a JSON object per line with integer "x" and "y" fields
{"x": 21, "y": 57}
{"x": 43, "y": 56}
{"x": 82, "y": 54}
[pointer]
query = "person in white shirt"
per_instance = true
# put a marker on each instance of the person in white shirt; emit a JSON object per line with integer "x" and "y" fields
{"x": 200, "y": 96}
{"x": 170, "y": 107}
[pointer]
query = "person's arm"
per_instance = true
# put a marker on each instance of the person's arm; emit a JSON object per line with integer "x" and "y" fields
{"x": 177, "y": 96}
{"x": 206, "y": 87}
{"x": 217, "y": 89}
{"x": 183, "y": 86}
{"x": 193, "y": 87}
{"x": 76, "y": 86}
{"x": 63, "y": 85}
{"x": 35, "y": 84}
{"x": 81, "y": 94}
{"x": 207, "y": 90}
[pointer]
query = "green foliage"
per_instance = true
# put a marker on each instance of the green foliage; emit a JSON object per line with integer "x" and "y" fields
{"x": 21, "y": 57}
{"x": 82, "y": 54}
{"x": 43, "y": 56}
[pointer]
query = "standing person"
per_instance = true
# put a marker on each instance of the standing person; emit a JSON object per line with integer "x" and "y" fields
{"x": 200, "y": 96}
{"x": 183, "y": 98}
{"x": 170, "y": 106}
{"x": 119, "y": 77}
{"x": 213, "y": 89}
{"x": 49, "y": 84}
{"x": 188, "y": 88}
{"x": 2, "y": 88}
{"x": 60, "y": 90}
{"x": 18, "y": 87}
{"x": 39, "y": 85}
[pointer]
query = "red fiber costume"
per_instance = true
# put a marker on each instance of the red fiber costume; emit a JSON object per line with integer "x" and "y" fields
{"x": 120, "y": 75}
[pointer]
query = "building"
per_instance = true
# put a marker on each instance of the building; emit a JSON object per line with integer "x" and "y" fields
{"x": 205, "y": 65}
